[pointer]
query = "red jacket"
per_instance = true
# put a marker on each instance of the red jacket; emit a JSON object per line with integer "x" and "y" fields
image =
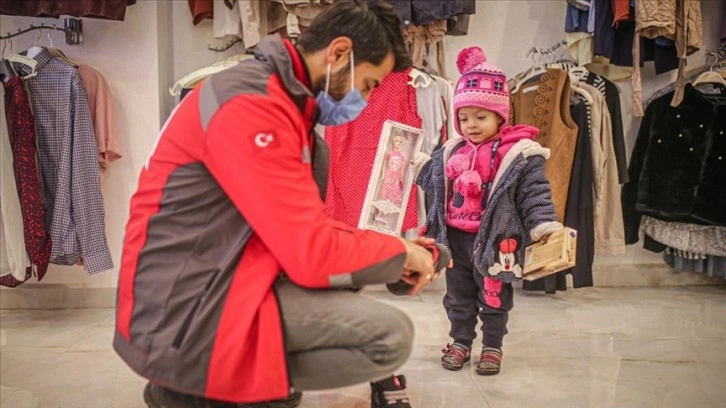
{"x": 225, "y": 203}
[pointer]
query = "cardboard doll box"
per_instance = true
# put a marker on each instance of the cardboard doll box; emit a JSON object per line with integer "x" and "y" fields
{"x": 391, "y": 179}
{"x": 557, "y": 254}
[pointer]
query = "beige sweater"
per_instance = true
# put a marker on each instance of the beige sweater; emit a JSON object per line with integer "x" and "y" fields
{"x": 609, "y": 228}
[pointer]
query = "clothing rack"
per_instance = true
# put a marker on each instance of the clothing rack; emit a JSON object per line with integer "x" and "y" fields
{"x": 224, "y": 47}
{"x": 73, "y": 27}
{"x": 236, "y": 41}
{"x": 719, "y": 56}
{"x": 534, "y": 51}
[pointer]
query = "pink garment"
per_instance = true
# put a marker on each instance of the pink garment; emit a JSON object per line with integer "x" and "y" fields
{"x": 353, "y": 149}
{"x": 466, "y": 204}
{"x": 492, "y": 290}
{"x": 392, "y": 188}
{"x": 101, "y": 106}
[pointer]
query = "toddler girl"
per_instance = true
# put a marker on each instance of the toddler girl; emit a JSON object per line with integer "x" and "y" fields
{"x": 490, "y": 199}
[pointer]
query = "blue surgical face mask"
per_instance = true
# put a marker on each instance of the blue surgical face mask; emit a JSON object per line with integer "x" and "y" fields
{"x": 334, "y": 112}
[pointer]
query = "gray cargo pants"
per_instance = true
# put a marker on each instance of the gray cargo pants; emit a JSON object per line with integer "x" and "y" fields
{"x": 336, "y": 338}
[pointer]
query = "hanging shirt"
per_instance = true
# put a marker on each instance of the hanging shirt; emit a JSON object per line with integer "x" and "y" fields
{"x": 446, "y": 88}
{"x": 260, "y": 18}
{"x": 580, "y": 47}
{"x": 591, "y": 17}
{"x": 432, "y": 110}
{"x": 226, "y": 19}
{"x": 420, "y": 12}
{"x": 105, "y": 9}
{"x": 576, "y": 19}
{"x": 201, "y": 9}
{"x": 100, "y": 106}
{"x": 14, "y": 261}
{"x": 609, "y": 230}
{"x": 305, "y": 10}
{"x": 580, "y": 4}
{"x": 621, "y": 11}
{"x": 21, "y": 131}
{"x": 69, "y": 165}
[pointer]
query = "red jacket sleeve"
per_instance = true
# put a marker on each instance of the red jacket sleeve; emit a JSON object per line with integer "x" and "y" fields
{"x": 254, "y": 149}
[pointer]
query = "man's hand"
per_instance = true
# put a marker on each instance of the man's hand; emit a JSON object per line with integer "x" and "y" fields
{"x": 419, "y": 269}
{"x": 418, "y": 258}
{"x": 417, "y": 281}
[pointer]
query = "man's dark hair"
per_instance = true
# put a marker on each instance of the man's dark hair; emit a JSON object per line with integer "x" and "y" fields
{"x": 372, "y": 25}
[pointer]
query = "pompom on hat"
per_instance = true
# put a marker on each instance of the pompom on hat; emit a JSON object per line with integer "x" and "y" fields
{"x": 482, "y": 85}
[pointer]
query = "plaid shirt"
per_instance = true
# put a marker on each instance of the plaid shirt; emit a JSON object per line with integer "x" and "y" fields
{"x": 69, "y": 165}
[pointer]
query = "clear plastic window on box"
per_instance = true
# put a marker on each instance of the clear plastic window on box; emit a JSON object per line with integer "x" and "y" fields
{"x": 391, "y": 179}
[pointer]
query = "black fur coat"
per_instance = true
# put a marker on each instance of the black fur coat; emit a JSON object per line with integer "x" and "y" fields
{"x": 678, "y": 167}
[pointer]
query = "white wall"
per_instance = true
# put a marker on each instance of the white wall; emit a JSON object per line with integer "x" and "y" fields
{"x": 142, "y": 56}
{"x": 127, "y": 53}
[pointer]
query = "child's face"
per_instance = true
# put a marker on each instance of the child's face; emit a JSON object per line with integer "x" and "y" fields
{"x": 397, "y": 142}
{"x": 477, "y": 124}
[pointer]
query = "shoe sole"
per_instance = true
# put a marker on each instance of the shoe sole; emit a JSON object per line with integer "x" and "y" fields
{"x": 451, "y": 367}
{"x": 147, "y": 397}
{"x": 487, "y": 372}
{"x": 293, "y": 402}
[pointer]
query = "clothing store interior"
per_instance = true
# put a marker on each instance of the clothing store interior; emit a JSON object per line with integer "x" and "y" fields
{"x": 636, "y": 165}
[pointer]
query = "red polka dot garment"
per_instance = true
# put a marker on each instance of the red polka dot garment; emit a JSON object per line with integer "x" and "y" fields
{"x": 353, "y": 149}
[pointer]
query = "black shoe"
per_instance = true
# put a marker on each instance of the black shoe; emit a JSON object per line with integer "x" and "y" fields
{"x": 390, "y": 393}
{"x": 160, "y": 397}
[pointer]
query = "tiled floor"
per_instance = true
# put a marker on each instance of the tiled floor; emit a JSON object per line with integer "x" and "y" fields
{"x": 635, "y": 348}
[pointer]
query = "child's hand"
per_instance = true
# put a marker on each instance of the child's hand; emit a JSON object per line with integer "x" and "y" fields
{"x": 545, "y": 238}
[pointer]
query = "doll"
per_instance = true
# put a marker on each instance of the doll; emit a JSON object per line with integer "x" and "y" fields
{"x": 392, "y": 185}
{"x": 390, "y": 192}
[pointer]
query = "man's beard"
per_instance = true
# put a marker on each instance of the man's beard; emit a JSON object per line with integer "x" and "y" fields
{"x": 339, "y": 83}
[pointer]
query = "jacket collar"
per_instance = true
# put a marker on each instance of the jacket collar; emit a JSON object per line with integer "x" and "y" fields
{"x": 300, "y": 69}
{"x": 43, "y": 57}
{"x": 285, "y": 61}
{"x": 290, "y": 66}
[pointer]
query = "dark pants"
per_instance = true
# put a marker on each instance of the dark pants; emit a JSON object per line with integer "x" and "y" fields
{"x": 467, "y": 295}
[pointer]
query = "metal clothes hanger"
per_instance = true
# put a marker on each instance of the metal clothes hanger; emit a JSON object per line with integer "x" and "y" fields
{"x": 22, "y": 60}
{"x": 6, "y": 68}
{"x": 537, "y": 68}
{"x": 710, "y": 76}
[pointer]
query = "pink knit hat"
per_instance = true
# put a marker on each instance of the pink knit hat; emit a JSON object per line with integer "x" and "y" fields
{"x": 481, "y": 84}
